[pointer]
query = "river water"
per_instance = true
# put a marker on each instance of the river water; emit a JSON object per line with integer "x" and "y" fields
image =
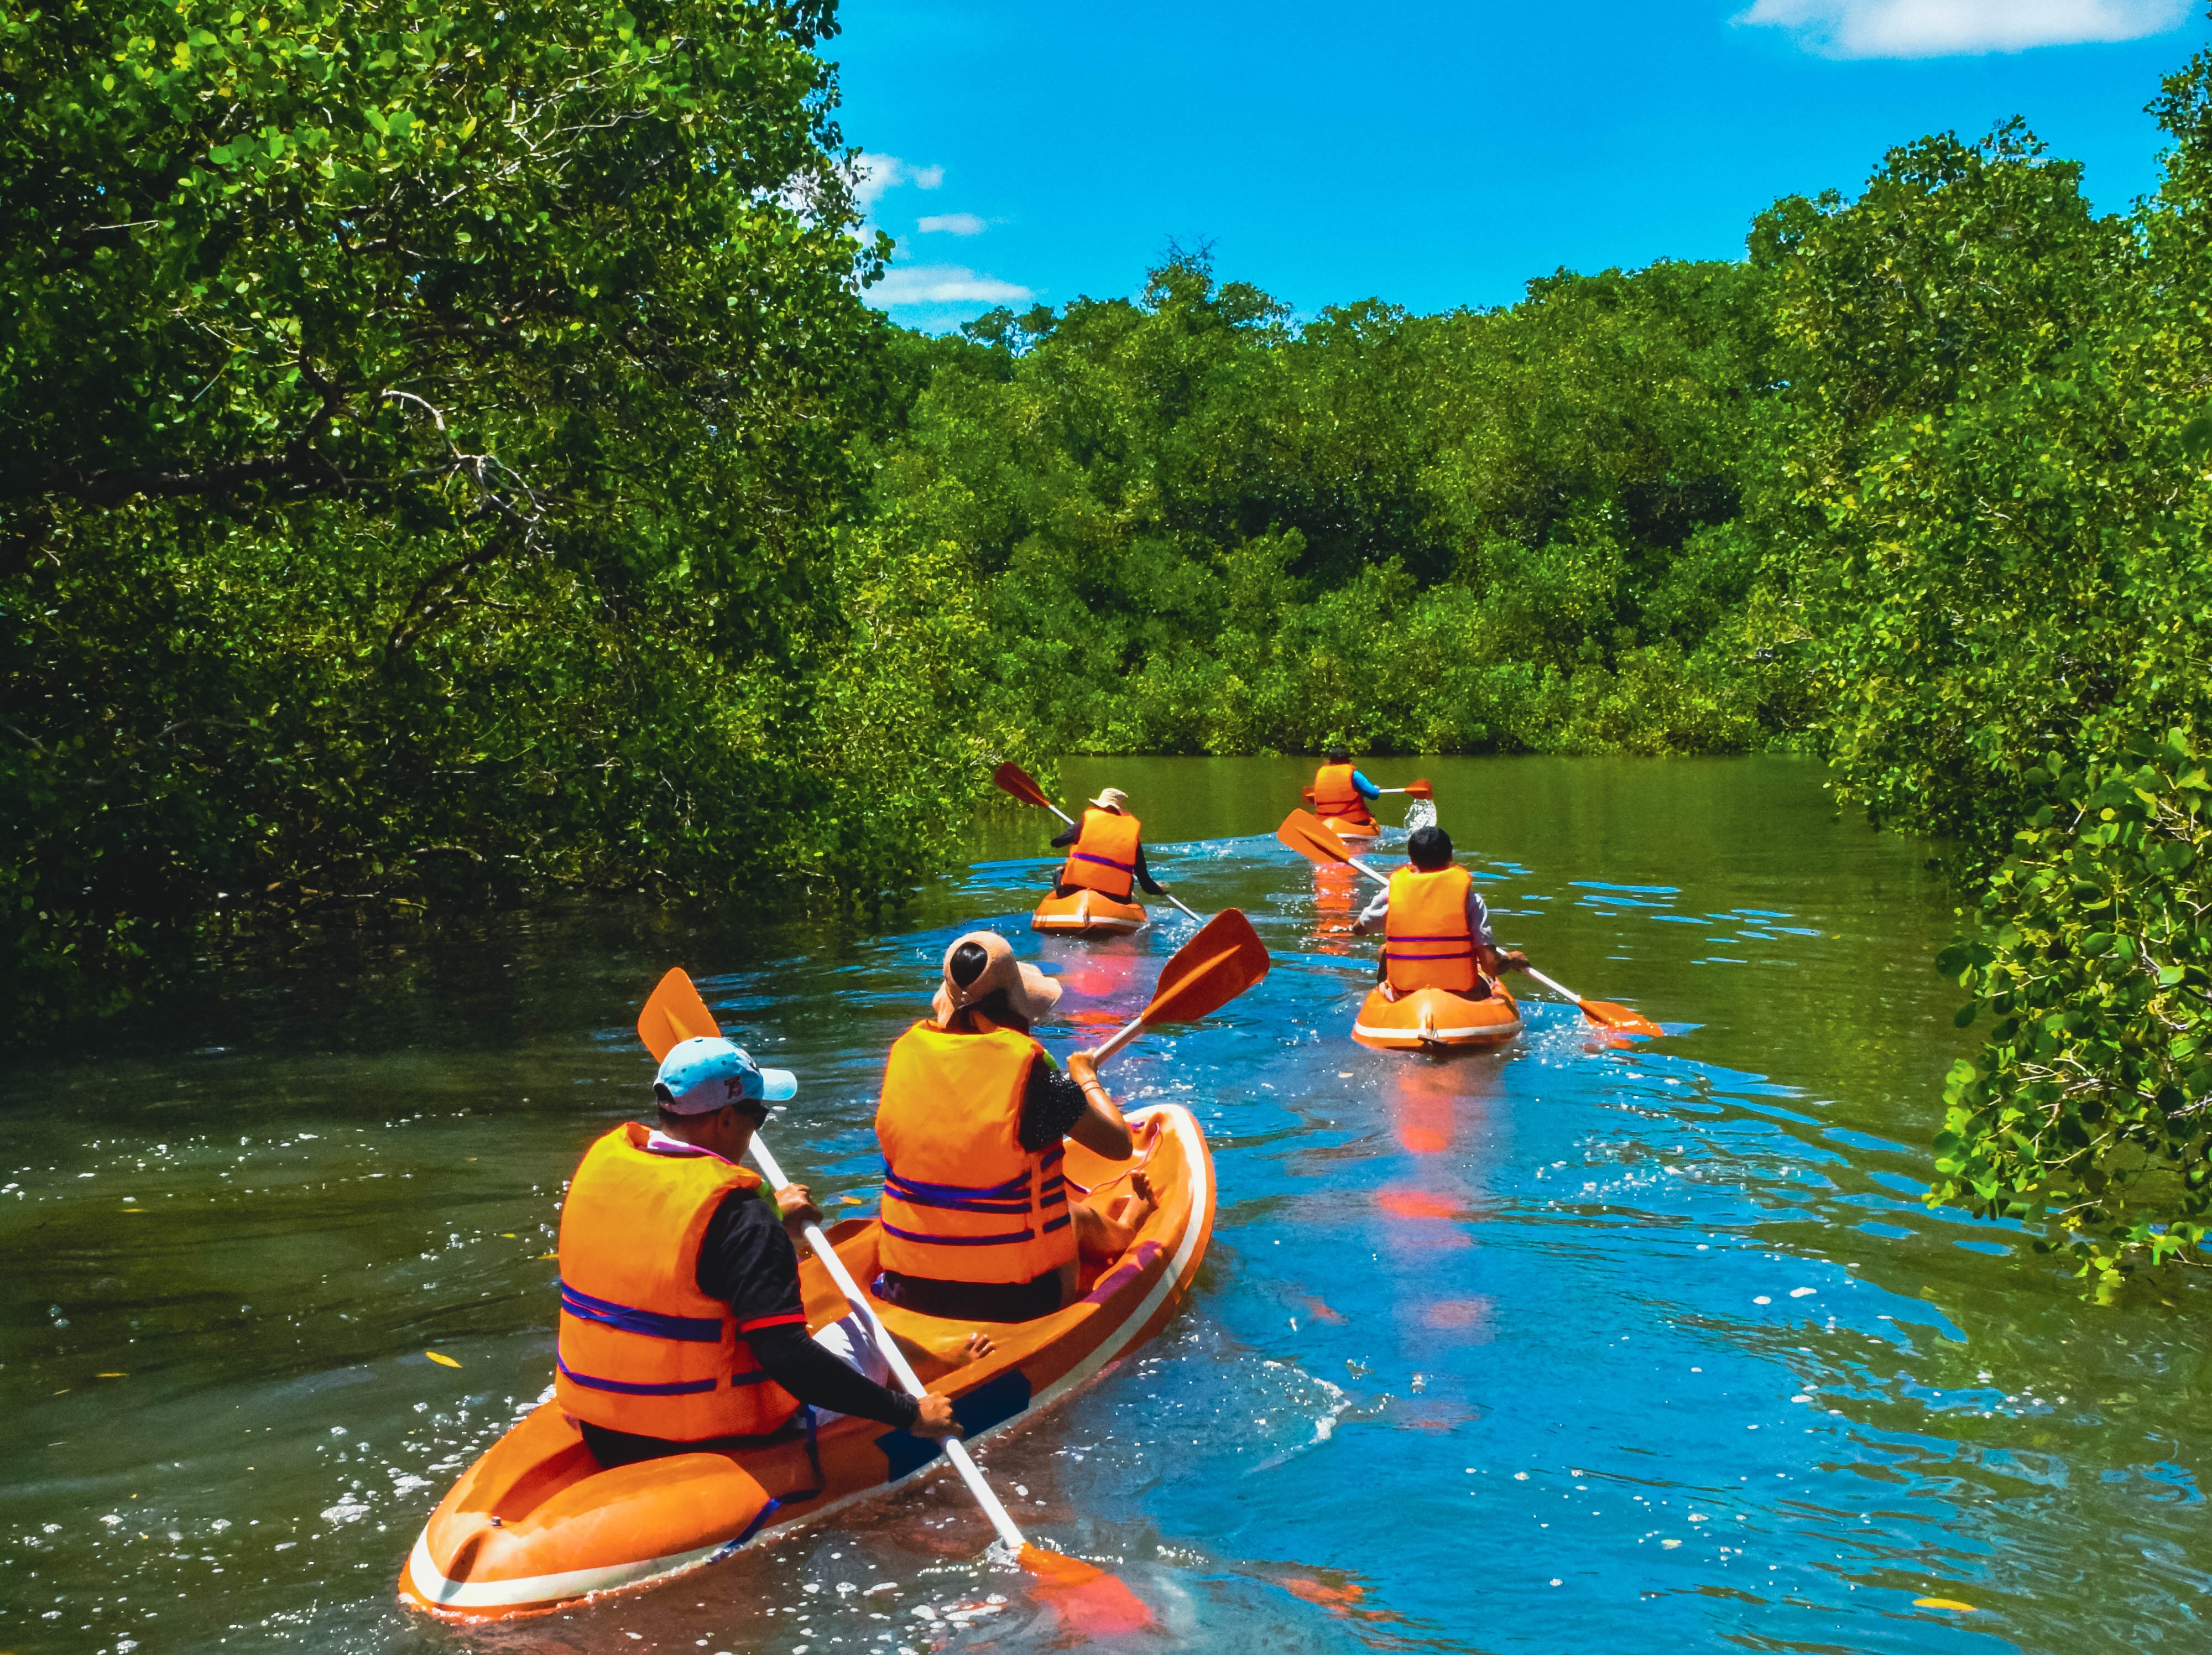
{"x": 1570, "y": 1347}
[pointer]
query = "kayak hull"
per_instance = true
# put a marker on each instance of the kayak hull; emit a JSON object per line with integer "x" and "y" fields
{"x": 1351, "y": 831}
{"x": 1086, "y": 913}
{"x": 1435, "y": 1019}
{"x": 536, "y": 1523}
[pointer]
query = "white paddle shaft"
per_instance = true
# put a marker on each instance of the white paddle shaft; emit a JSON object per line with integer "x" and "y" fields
{"x": 1556, "y": 987}
{"x": 954, "y": 1450}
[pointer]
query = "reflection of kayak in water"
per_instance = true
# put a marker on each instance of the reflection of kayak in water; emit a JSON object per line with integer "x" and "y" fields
{"x": 535, "y": 1523}
{"x": 1435, "y": 1017}
{"x": 1085, "y": 913}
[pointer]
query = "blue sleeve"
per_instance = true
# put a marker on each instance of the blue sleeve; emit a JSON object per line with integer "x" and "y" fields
{"x": 1366, "y": 788}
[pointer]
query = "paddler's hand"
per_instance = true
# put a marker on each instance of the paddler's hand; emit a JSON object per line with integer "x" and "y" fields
{"x": 935, "y": 1419}
{"x": 796, "y": 1203}
{"x": 1512, "y": 960}
{"x": 1083, "y": 1069}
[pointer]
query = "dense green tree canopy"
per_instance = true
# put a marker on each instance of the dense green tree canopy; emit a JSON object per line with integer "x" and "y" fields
{"x": 421, "y": 431}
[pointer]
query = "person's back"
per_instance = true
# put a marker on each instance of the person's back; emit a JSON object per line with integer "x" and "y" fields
{"x": 977, "y": 1220}
{"x": 1108, "y": 853}
{"x": 682, "y": 1325}
{"x": 1336, "y": 789}
{"x": 1436, "y": 928}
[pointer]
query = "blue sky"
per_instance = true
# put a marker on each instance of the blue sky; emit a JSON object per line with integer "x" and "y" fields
{"x": 1435, "y": 154}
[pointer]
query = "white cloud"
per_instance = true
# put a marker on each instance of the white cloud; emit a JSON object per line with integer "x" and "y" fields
{"x": 1942, "y": 28}
{"x": 943, "y": 284}
{"x": 952, "y": 224}
{"x": 874, "y": 174}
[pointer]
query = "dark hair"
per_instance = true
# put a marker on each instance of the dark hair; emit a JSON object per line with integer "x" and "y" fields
{"x": 1338, "y": 755}
{"x": 967, "y": 963}
{"x": 1430, "y": 848}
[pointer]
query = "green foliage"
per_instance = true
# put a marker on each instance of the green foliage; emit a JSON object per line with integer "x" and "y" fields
{"x": 2087, "y": 1112}
{"x": 421, "y": 431}
{"x": 1990, "y": 512}
{"x": 1197, "y": 530}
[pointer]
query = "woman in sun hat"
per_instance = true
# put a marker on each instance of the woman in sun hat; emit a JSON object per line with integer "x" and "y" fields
{"x": 976, "y": 1217}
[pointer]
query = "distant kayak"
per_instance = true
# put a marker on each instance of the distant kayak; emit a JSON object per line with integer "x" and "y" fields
{"x": 536, "y": 1524}
{"x": 1084, "y": 913}
{"x": 1345, "y": 828}
{"x": 1435, "y": 1019}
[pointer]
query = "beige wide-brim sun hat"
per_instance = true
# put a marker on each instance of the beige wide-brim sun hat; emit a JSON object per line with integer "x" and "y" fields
{"x": 1029, "y": 992}
{"x": 1112, "y": 798}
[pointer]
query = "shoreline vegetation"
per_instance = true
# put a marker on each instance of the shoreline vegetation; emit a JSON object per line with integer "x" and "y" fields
{"x": 447, "y": 465}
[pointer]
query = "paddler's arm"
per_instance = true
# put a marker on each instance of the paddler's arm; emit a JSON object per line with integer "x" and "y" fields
{"x": 1493, "y": 959}
{"x": 1153, "y": 887}
{"x": 1056, "y": 1106}
{"x": 1100, "y": 1129}
{"x": 1363, "y": 786}
{"x": 747, "y": 1260}
{"x": 1373, "y": 915}
{"x": 1068, "y": 836}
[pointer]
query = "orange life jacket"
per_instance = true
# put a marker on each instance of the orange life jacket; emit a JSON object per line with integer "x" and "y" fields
{"x": 1105, "y": 854}
{"x": 642, "y": 1349}
{"x": 963, "y": 1200}
{"x": 1426, "y": 943}
{"x": 1336, "y": 795}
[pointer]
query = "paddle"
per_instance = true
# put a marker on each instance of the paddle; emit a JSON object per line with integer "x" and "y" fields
{"x": 1304, "y": 833}
{"x": 1019, "y": 782}
{"x": 1085, "y": 1595}
{"x": 1220, "y": 962}
{"x": 1417, "y": 788}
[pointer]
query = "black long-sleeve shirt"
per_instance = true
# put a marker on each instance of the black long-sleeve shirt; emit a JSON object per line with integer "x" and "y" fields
{"x": 1068, "y": 836}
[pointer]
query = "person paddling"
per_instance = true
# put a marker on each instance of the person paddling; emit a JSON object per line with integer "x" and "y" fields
{"x": 1110, "y": 852}
{"x": 682, "y": 1330}
{"x": 977, "y": 1222}
{"x": 1435, "y": 927}
{"x": 1341, "y": 790}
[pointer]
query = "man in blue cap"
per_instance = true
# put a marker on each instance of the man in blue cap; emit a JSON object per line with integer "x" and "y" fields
{"x": 683, "y": 1328}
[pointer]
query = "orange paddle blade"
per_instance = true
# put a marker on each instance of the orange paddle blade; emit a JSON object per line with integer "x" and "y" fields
{"x": 673, "y": 1011}
{"x": 1301, "y": 830}
{"x": 1220, "y": 962}
{"x": 1613, "y": 1016}
{"x": 1087, "y": 1598}
{"x": 1420, "y": 789}
{"x": 1019, "y": 781}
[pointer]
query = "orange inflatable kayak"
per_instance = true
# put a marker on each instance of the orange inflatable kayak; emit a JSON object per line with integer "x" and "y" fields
{"x": 536, "y": 1523}
{"x": 1435, "y": 1019}
{"x": 1084, "y": 913}
{"x": 1356, "y": 831}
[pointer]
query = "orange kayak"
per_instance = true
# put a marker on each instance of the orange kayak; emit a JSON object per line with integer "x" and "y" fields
{"x": 1436, "y": 1018}
{"x": 536, "y": 1523}
{"x": 1352, "y": 830}
{"x": 1087, "y": 914}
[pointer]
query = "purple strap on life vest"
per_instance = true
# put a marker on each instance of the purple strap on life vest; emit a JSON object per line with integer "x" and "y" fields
{"x": 689, "y": 1329}
{"x": 1105, "y": 861}
{"x": 1006, "y": 1240}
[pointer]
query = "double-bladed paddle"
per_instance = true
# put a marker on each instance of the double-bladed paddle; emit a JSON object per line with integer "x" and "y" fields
{"x": 1305, "y": 833}
{"x": 1022, "y": 786}
{"x": 1086, "y": 1597}
{"x": 1417, "y": 789}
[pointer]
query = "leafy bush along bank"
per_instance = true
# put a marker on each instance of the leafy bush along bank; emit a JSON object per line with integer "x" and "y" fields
{"x": 421, "y": 439}
{"x": 1992, "y": 549}
{"x": 1197, "y": 529}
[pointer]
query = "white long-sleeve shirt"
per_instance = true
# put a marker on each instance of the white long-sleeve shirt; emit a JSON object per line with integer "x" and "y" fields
{"x": 1478, "y": 916}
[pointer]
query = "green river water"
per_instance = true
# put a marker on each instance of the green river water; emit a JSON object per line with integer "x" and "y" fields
{"x": 1563, "y": 1347}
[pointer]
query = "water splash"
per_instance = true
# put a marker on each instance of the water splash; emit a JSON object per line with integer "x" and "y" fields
{"x": 1420, "y": 813}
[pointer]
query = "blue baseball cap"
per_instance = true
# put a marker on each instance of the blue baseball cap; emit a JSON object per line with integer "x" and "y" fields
{"x": 703, "y": 1075}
